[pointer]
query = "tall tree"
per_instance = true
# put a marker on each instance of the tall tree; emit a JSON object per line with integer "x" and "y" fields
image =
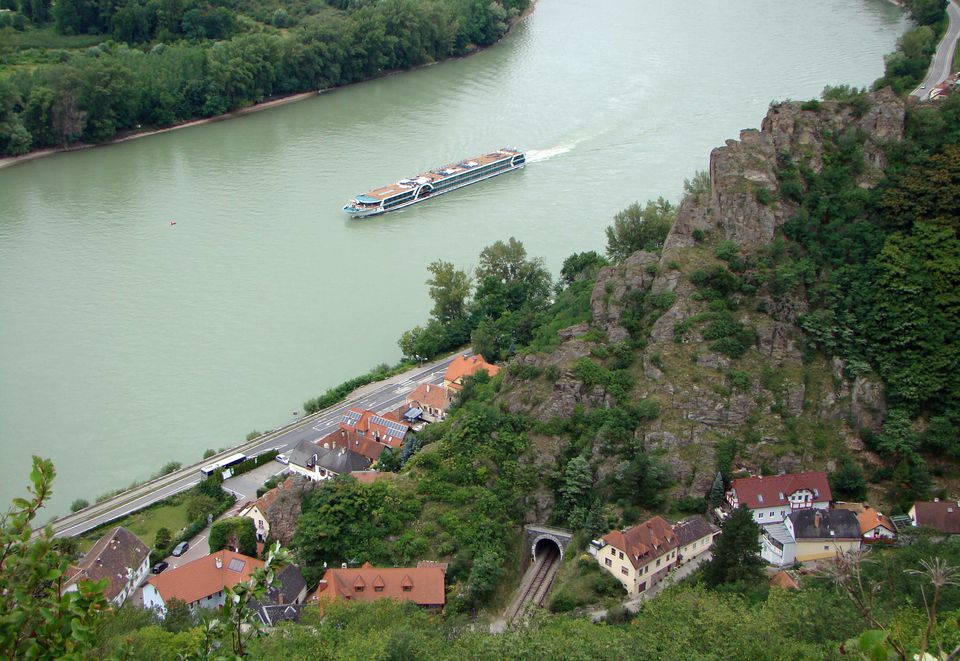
{"x": 640, "y": 228}
{"x": 449, "y": 289}
{"x": 37, "y": 620}
{"x": 736, "y": 556}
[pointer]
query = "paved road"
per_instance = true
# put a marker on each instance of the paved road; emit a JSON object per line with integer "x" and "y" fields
{"x": 379, "y": 397}
{"x": 943, "y": 59}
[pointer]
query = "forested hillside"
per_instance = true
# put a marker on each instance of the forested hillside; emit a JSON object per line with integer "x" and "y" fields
{"x": 82, "y": 70}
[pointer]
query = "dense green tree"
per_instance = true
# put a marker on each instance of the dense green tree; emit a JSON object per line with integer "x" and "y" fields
{"x": 36, "y": 619}
{"x": 575, "y": 489}
{"x": 847, "y": 481}
{"x": 581, "y": 265}
{"x": 736, "y": 555}
{"x": 234, "y": 533}
{"x": 640, "y": 228}
{"x": 163, "y": 538}
{"x": 716, "y": 495}
{"x": 449, "y": 288}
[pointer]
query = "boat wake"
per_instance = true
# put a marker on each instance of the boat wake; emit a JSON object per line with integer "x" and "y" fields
{"x": 539, "y": 155}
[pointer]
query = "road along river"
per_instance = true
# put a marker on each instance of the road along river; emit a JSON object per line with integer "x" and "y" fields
{"x": 126, "y": 341}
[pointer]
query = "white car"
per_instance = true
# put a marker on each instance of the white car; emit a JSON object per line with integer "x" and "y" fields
{"x": 283, "y": 459}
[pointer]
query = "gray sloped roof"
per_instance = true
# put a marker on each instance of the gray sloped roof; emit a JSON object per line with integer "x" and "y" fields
{"x": 338, "y": 460}
{"x": 693, "y": 528}
{"x": 825, "y": 524}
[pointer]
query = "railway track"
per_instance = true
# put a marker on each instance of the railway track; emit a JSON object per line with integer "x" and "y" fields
{"x": 534, "y": 585}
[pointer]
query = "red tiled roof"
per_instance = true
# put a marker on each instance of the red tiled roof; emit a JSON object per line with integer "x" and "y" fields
{"x": 870, "y": 518}
{"x": 773, "y": 490}
{"x": 266, "y": 500}
{"x": 645, "y": 542}
{"x": 369, "y": 477}
{"x": 422, "y": 585}
{"x": 784, "y": 580}
{"x": 434, "y": 396}
{"x": 353, "y": 440}
{"x": 374, "y": 426}
{"x": 943, "y": 515}
{"x": 202, "y": 577}
{"x": 110, "y": 558}
{"x": 464, "y": 366}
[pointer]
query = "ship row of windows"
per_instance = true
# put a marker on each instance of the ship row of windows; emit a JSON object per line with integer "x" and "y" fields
{"x": 472, "y": 174}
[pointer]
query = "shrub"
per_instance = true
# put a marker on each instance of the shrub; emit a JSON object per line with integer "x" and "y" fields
{"x": 698, "y": 235}
{"x": 740, "y": 380}
{"x": 209, "y": 452}
{"x": 79, "y": 504}
{"x": 618, "y": 615}
{"x": 169, "y": 467}
{"x": 562, "y": 602}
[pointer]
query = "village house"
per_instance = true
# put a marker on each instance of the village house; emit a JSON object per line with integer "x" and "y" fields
{"x": 200, "y": 583}
{"x": 941, "y": 515}
{"x": 875, "y": 526}
{"x": 355, "y": 441}
{"x": 425, "y": 585}
{"x": 773, "y": 497}
{"x": 386, "y": 429}
{"x": 810, "y": 534}
{"x": 318, "y": 464}
{"x": 432, "y": 400}
{"x": 257, "y": 510}
{"x": 639, "y": 557}
{"x": 464, "y": 366}
{"x": 121, "y": 558}
{"x": 284, "y": 601}
{"x": 695, "y": 535}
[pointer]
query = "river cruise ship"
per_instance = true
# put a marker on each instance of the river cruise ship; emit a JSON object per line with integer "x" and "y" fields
{"x": 435, "y": 182}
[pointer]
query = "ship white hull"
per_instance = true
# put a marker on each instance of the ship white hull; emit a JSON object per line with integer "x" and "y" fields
{"x": 376, "y": 211}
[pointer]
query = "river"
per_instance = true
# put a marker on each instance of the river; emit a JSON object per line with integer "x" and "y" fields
{"x": 126, "y": 341}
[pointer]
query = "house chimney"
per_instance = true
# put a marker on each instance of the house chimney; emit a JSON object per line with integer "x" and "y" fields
{"x": 936, "y": 500}
{"x": 343, "y": 565}
{"x": 428, "y": 387}
{"x": 816, "y": 518}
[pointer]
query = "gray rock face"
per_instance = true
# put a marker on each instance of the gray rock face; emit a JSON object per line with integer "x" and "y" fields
{"x": 613, "y": 283}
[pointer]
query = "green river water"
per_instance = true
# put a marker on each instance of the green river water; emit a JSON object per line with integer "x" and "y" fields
{"x": 126, "y": 341}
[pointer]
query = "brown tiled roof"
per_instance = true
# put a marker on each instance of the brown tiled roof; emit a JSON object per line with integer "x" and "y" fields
{"x": 784, "y": 580}
{"x": 266, "y": 500}
{"x": 870, "y": 518}
{"x": 424, "y": 585}
{"x": 943, "y": 515}
{"x": 464, "y": 366}
{"x": 757, "y": 492}
{"x": 645, "y": 542}
{"x": 434, "y": 396}
{"x": 110, "y": 558}
{"x": 351, "y": 439}
{"x": 369, "y": 477}
{"x": 693, "y": 528}
{"x": 203, "y": 577}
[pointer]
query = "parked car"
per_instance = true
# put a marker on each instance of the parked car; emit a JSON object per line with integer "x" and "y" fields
{"x": 160, "y": 566}
{"x": 180, "y": 549}
{"x": 283, "y": 459}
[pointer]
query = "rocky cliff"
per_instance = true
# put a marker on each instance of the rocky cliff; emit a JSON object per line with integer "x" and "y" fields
{"x": 786, "y": 408}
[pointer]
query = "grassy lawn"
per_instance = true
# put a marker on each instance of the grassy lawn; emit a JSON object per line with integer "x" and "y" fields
{"x": 47, "y": 37}
{"x": 581, "y": 582}
{"x": 144, "y": 524}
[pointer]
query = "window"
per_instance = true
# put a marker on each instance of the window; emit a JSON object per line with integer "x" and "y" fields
{"x": 826, "y": 547}
{"x": 621, "y": 555}
{"x": 358, "y": 588}
{"x": 658, "y": 562}
{"x": 608, "y": 562}
{"x": 407, "y": 588}
{"x": 760, "y": 515}
{"x": 378, "y": 588}
{"x": 759, "y": 497}
{"x": 623, "y": 570}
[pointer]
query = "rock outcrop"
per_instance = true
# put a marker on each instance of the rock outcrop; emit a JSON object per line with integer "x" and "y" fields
{"x": 785, "y": 412}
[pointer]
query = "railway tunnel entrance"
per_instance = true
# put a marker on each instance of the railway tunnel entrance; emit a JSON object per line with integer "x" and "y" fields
{"x": 543, "y": 539}
{"x": 546, "y": 547}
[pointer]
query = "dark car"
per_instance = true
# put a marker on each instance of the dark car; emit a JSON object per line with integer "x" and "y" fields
{"x": 159, "y": 567}
{"x": 180, "y": 549}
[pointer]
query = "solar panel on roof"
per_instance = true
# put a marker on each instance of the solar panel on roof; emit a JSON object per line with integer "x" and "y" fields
{"x": 236, "y": 565}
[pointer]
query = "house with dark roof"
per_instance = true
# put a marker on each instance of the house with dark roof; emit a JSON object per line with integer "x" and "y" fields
{"x": 424, "y": 585}
{"x": 201, "y": 583}
{"x": 318, "y": 464}
{"x": 121, "y": 558}
{"x": 771, "y": 498}
{"x": 432, "y": 400}
{"x": 463, "y": 366}
{"x": 285, "y": 600}
{"x": 641, "y": 556}
{"x": 695, "y": 535}
{"x": 811, "y": 534}
{"x": 941, "y": 515}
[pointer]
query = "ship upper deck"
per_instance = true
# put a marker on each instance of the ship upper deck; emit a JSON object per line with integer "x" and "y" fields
{"x": 435, "y": 175}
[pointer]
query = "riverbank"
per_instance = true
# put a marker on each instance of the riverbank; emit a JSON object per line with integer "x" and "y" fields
{"x": 10, "y": 161}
